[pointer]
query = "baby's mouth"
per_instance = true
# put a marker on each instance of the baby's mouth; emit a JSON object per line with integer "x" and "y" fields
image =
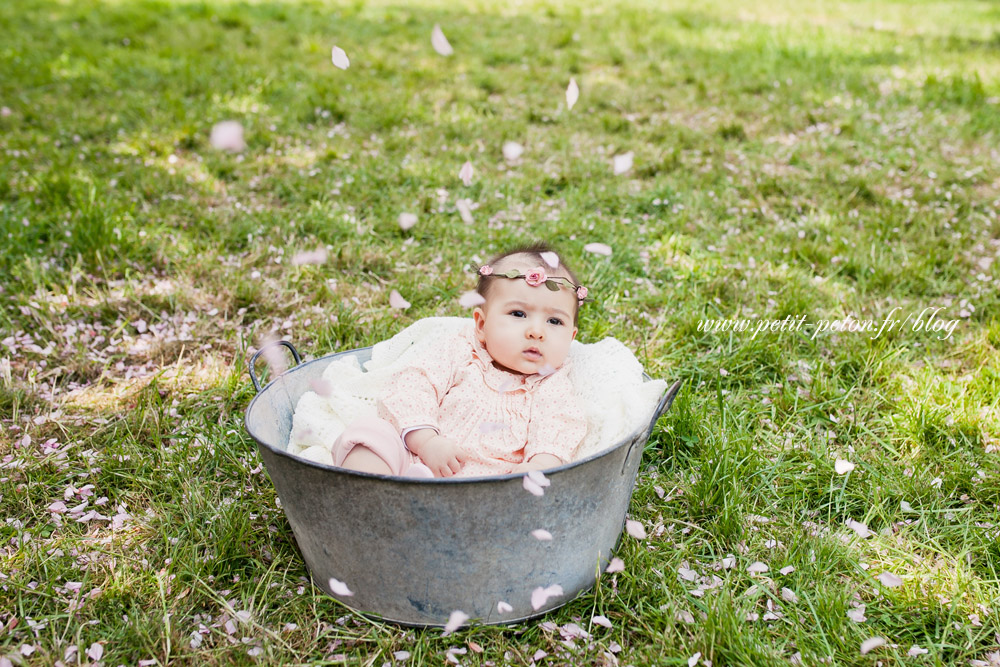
{"x": 532, "y": 353}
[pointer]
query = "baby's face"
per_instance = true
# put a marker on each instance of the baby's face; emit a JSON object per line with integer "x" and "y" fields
{"x": 526, "y": 329}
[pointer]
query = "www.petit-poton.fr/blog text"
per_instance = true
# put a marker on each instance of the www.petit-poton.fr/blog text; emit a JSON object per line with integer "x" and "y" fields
{"x": 926, "y": 320}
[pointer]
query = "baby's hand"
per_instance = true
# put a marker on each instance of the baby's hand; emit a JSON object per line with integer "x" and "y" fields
{"x": 443, "y": 456}
{"x": 539, "y": 462}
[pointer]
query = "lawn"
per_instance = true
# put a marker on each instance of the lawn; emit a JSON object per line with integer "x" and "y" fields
{"x": 812, "y": 488}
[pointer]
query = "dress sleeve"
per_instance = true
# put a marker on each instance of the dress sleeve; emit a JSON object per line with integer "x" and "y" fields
{"x": 557, "y": 425}
{"x": 412, "y": 397}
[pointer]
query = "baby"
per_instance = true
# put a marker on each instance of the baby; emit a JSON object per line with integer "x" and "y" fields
{"x": 495, "y": 398}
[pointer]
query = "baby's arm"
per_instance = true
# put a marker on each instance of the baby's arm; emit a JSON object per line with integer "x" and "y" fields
{"x": 541, "y": 461}
{"x": 442, "y": 455}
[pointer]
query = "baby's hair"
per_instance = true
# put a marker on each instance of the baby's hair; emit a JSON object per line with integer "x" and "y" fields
{"x": 534, "y": 251}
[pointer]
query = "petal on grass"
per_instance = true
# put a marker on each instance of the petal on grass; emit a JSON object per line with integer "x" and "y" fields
{"x": 541, "y": 534}
{"x": 540, "y": 595}
{"x": 455, "y": 621}
{"x": 915, "y": 651}
{"x": 889, "y": 580}
{"x": 598, "y": 249}
{"x": 95, "y": 651}
{"x": 572, "y": 93}
{"x": 396, "y": 300}
{"x": 339, "y": 58}
{"x": 788, "y": 595}
{"x": 532, "y": 487}
{"x": 859, "y": 528}
{"x": 602, "y": 621}
{"x": 317, "y": 256}
{"x": 406, "y": 220}
{"x": 616, "y": 565}
{"x": 338, "y": 587}
{"x": 788, "y": 569}
{"x": 471, "y": 299}
{"x": 440, "y": 42}
{"x": 512, "y": 150}
{"x": 843, "y": 467}
{"x": 504, "y": 608}
{"x": 857, "y": 614}
{"x": 693, "y": 660}
{"x": 623, "y": 162}
{"x": 227, "y": 136}
{"x": 464, "y": 207}
{"x": 635, "y": 529}
{"x": 757, "y": 567}
{"x": 465, "y": 173}
{"x": 871, "y": 644}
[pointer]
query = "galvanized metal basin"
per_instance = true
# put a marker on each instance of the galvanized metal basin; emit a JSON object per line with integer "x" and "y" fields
{"x": 414, "y": 550}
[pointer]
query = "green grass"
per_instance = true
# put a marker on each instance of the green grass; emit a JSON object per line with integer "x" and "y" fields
{"x": 817, "y": 159}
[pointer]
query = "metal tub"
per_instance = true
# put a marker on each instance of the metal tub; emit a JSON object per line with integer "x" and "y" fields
{"x": 414, "y": 550}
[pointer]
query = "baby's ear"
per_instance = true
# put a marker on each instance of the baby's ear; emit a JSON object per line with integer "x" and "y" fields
{"x": 479, "y": 318}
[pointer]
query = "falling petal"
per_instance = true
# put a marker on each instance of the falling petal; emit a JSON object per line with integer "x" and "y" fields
{"x": 227, "y": 136}
{"x": 915, "y": 651}
{"x": 464, "y": 207}
{"x": 407, "y": 220}
{"x": 512, "y": 150}
{"x": 757, "y": 567}
{"x": 317, "y": 256}
{"x": 455, "y": 620}
{"x": 340, "y": 58}
{"x": 871, "y": 644}
{"x": 396, "y": 300}
{"x": 532, "y": 487}
{"x": 471, "y": 299}
{"x": 616, "y": 565}
{"x": 321, "y": 386}
{"x": 6, "y": 112}
{"x": 788, "y": 569}
{"x": 541, "y": 534}
{"x": 601, "y": 620}
{"x": 440, "y": 42}
{"x": 842, "y": 467}
{"x": 338, "y": 587}
{"x": 623, "y": 163}
{"x": 550, "y": 258}
{"x": 572, "y": 93}
{"x": 539, "y": 478}
{"x": 598, "y": 249}
{"x": 546, "y": 370}
{"x": 465, "y": 173}
{"x": 540, "y": 595}
{"x": 504, "y": 608}
{"x": 788, "y": 595}
{"x": 693, "y": 660}
{"x": 273, "y": 357}
{"x": 635, "y": 529}
{"x": 859, "y": 528}
{"x": 889, "y": 580}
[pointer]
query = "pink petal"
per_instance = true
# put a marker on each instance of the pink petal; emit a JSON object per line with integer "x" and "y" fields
{"x": 321, "y": 386}
{"x": 95, "y": 651}
{"x": 455, "y": 621}
{"x": 227, "y": 136}
{"x": 396, "y": 300}
{"x": 842, "y": 467}
{"x": 601, "y": 620}
{"x": 546, "y": 370}
{"x": 539, "y": 478}
{"x": 339, "y": 58}
{"x": 889, "y": 580}
{"x": 540, "y": 595}
{"x": 539, "y": 654}
{"x": 465, "y": 173}
{"x": 58, "y": 507}
{"x": 471, "y": 299}
{"x": 440, "y": 42}
{"x": 859, "y": 528}
{"x": 464, "y": 207}
{"x": 541, "y": 534}
{"x": 338, "y": 587}
{"x": 757, "y": 567}
{"x": 693, "y": 660}
{"x": 871, "y": 644}
{"x": 598, "y": 249}
{"x": 635, "y": 529}
{"x": 532, "y": 487}
{"x": 788, "y": 569}
{"x": 616, "y": 565}
{"x": 623, "y": 163}
{"x": 504, "y": 608}
{"x": 491, "y": 427}
{"x": 317, "y": 256}
{"x": 551, "y": 259}
{"x": 572, "y": 93}
{"x": 407, "y": 220}
{"x": 512, "y": 150}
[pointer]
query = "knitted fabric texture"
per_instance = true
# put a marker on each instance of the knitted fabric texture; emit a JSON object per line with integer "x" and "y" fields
{"x": 606, "y": 377}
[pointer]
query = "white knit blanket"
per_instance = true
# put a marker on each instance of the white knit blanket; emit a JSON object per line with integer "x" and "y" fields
{"x": 606, "y": 377}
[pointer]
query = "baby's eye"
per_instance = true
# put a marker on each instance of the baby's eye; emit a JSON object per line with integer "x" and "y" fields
{"x": 517, "y": 313}
{"x": 556, "y": 321}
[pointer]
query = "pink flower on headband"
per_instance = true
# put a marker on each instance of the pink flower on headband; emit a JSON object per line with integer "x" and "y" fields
{"x": 581, "y": 292}
{"x": 485, "y": 270}
{"x": 535, "y": 277}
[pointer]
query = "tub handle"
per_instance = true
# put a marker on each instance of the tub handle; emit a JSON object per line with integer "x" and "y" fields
{"x": 253, "y": 360}
{"x": 661, "y": 409}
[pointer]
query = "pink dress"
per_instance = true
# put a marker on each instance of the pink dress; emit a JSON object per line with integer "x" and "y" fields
{"x": 500, "y": 418}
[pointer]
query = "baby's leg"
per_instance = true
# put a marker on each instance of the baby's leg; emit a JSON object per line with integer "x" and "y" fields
{"x": 372, "y": 445}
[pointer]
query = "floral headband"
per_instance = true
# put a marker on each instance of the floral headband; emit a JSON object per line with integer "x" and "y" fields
{"x": 536, "y": 277}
